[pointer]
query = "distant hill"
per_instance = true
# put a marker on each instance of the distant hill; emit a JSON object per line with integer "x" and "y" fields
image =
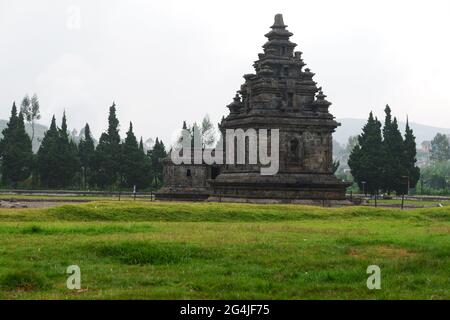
{"x": 39, "y": 131}
{"x": 352, "y": 127}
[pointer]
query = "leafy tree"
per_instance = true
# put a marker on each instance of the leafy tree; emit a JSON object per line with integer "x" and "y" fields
{"x": 204, "y": 134}
{"x": 15, "y": 150}
{"x": 208, "y": 132}
{"x": 413, "y": 172}
{"x": 365, "y": 161}
{"x": 86, "y": 150}
{"x": 436, "y": 176}
{"x": 31, "y": 110}
{"x": 440, "y": 148}
{"x": 351, "y": 144}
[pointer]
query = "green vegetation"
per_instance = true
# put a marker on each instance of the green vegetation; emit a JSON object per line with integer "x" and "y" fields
{"x": 440, "y": 148}
{"x": 62, "y": 162}
{"x": 385, "y": 161}
{"x": 69, "y": 198}
{"x": 415, "y": 203}
{"x": 15, "y": 150}
{"x": 217, "y": 250}
{"x": 435, "y": 178}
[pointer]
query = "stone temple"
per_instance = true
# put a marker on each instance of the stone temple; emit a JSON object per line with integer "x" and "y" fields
{"x": 281, "y": 94}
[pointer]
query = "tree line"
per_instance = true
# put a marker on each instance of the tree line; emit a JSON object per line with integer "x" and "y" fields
{"x": 384, "y": 160}
{"x": 63, "y": 163}
{"x": 435, "y": 176}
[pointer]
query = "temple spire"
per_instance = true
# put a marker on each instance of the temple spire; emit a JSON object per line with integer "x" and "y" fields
{"x": 279, "y": 23}
{"x": 279, "y": 29}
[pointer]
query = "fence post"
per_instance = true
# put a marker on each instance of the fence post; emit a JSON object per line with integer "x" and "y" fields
{"x": 403, "y": 200}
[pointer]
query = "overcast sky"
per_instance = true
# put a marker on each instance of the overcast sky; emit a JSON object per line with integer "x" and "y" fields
{"x": 163, "y": 62}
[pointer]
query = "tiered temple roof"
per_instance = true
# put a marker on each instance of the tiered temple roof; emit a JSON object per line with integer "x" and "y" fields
{"x": 280, "y": 84}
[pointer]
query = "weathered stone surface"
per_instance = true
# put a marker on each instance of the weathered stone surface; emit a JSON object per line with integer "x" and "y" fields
{"x": 186, "y": 181}
{"x": 279, "y": 95}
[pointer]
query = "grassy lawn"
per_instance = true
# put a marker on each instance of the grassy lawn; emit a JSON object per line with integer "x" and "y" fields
{"x": 15, "y": 197}
{"x": 411, "y": 202}
{"x": 223, "y": 251}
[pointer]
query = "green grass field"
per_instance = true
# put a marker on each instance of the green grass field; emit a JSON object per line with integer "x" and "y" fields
{"x": 68, "y": 198}
{"x": 138, "y": 250}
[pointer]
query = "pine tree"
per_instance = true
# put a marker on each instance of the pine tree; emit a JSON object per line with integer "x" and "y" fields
{"x": 394, "y": 171}
{"x": 107, "y": 155}
{"x": 86, "y": 150}
{"x": 132, "y": 160}
{"x": 10, "y": 127}
{"x": 147, "y": 170}
{"x": 157, "y": 154}
{"x": 141, "y": 145}
{"x": 49, "y": 157}
{"x": 58, "y": 161}
{"x": 196, "y": 136}
{"x": 365, "y": 161}
{"x": 413, "y": 172}
{"x": 15, "y": 151}
{"x": 69, "y": 162}
{"x": 101, "y": 173}
{"x": 180, "y": 138}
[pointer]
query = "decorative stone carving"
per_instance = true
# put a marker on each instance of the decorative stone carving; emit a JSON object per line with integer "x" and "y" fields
{"x": 279, "y": 95}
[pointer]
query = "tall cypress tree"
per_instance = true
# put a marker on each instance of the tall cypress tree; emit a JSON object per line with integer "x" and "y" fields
{"x": 156, "y": 155}
{"x": 86, "y": 150}
{"x": 365, "y": 160}
{"x": 147, "y": 172}
{"x": 388, "y": 165}
{"x": 48, "y": 157}
{"x": 412, "y": 170}
{"x": 107, "y": 155}
{"x": 131, "y": 165}
{"x": 15, "y": 150}
{"x": 10, "y": 127}
{"x": 69, "y": 161}
{"x": 101, "y": 174}
{"x": 58, "y": 161}
{"x": 141, "y": 145}
{"x": 394, "y": 172}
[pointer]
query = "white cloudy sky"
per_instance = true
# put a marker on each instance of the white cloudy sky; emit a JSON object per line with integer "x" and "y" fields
{"x": 163, "y": 62}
